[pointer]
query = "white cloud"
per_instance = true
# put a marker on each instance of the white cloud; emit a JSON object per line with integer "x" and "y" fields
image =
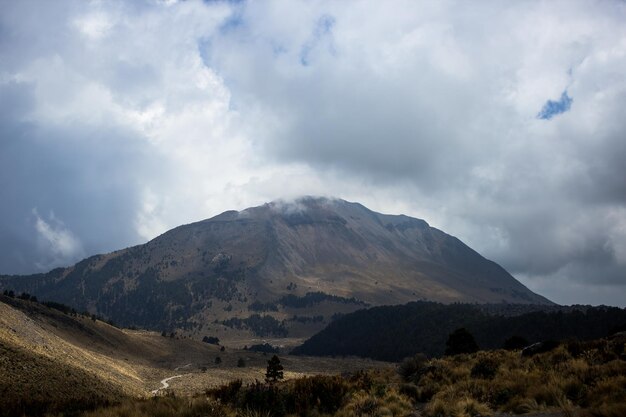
{"x": 94, "y": 25}
{"x": 58, "y": 245}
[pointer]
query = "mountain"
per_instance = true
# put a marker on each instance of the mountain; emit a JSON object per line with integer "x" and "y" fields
{"x": 283, "y": 268}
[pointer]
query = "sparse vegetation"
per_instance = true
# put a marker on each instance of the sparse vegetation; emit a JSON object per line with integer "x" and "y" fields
{"x": 262, "y": 307}
{"x": 262, "y": 326}
{"x": 263, "y": 348}
{"x": 212, "y": 340}
{"x": 307, "y": 319}
{"x": 312, "y": 298}
{"x": 33, "y": 385}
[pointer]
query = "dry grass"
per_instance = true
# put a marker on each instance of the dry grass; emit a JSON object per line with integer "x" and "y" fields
{"x": 589, "y": 378}
{"x": 166, "y": 407}
{"x": 50, "y": 362}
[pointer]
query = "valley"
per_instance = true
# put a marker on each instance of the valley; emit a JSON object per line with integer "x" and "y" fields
{"x": 55, "y": 359}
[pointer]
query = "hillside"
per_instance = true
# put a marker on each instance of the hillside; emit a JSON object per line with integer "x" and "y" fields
{"x": 51, "y": 361}
{"x": 294, "y": 265}
{"x": 396, "y": 332}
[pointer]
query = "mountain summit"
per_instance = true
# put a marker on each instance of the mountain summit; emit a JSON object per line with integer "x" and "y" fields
{"x": 279, "y": 259}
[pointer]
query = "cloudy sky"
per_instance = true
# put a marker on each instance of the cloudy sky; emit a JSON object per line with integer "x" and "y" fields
{"x": 502, "y": 123}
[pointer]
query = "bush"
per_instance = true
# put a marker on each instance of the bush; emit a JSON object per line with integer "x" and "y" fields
{"x": 515, "y": 342}
{"x": 212, "y": 340}
{"x": 226, "y": 393}
{"x": 324, "y": 393}
{"x": 485, "y": 368}
{"x": 263, "y": 348}
{"x": 264, "y": 398}
{"x": 411, "y": 368}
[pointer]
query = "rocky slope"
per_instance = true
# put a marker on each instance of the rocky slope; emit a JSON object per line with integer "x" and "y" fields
{"x": 290, "y": 266}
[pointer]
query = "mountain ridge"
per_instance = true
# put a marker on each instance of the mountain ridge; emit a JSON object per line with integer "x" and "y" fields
{"x": 212, "y": 270}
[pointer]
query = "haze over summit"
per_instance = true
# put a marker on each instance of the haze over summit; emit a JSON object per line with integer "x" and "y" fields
{"x": 499, "y": 124}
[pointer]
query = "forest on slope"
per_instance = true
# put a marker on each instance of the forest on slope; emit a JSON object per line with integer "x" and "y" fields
{"x": 392, "y": 333}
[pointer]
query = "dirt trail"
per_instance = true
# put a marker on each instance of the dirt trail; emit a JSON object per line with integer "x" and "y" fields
{"x": 178, "y": 368}
{"x": 165, "y": 384}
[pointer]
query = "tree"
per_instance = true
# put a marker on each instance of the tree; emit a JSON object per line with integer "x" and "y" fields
{"x": 211, "y": 340}
{"x": 274, "y": 370}
{"x": 460, "y": 341}
{"x": 515, "y": 342}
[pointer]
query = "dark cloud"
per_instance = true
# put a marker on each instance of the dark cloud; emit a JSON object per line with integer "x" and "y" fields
{"x": 82, "y": 180}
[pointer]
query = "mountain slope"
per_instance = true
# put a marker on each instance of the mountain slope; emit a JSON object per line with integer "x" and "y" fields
{"x": 394, "y": 332}
{"x": 53, "y": 360}
{"x": 218, "y": 268}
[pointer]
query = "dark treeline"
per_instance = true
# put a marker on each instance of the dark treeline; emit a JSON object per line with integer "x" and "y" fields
{"x": 65, "y": 309}
{"x": 260, "y": 325}
{"x": 392, "y": 333}
{"x": 312, "y": 298}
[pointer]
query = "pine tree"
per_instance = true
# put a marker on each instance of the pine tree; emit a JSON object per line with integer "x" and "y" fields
{"x": 274, "y": 370}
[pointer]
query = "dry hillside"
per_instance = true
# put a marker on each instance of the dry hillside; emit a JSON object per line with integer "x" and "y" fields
{"x": 51, "y": 360}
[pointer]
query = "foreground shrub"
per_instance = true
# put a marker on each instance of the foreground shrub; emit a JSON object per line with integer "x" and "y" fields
{"x": 226, "y": 393}
{"x": 324, "y": 393}
{"x": 485, "y": 367}
{"x": 169, "y": 406}
{"x": 411, "y": 368}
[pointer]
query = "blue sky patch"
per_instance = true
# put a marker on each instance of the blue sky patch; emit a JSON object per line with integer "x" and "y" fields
{"x": 552, "y": 108}
{"x": 323, "y": 27}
